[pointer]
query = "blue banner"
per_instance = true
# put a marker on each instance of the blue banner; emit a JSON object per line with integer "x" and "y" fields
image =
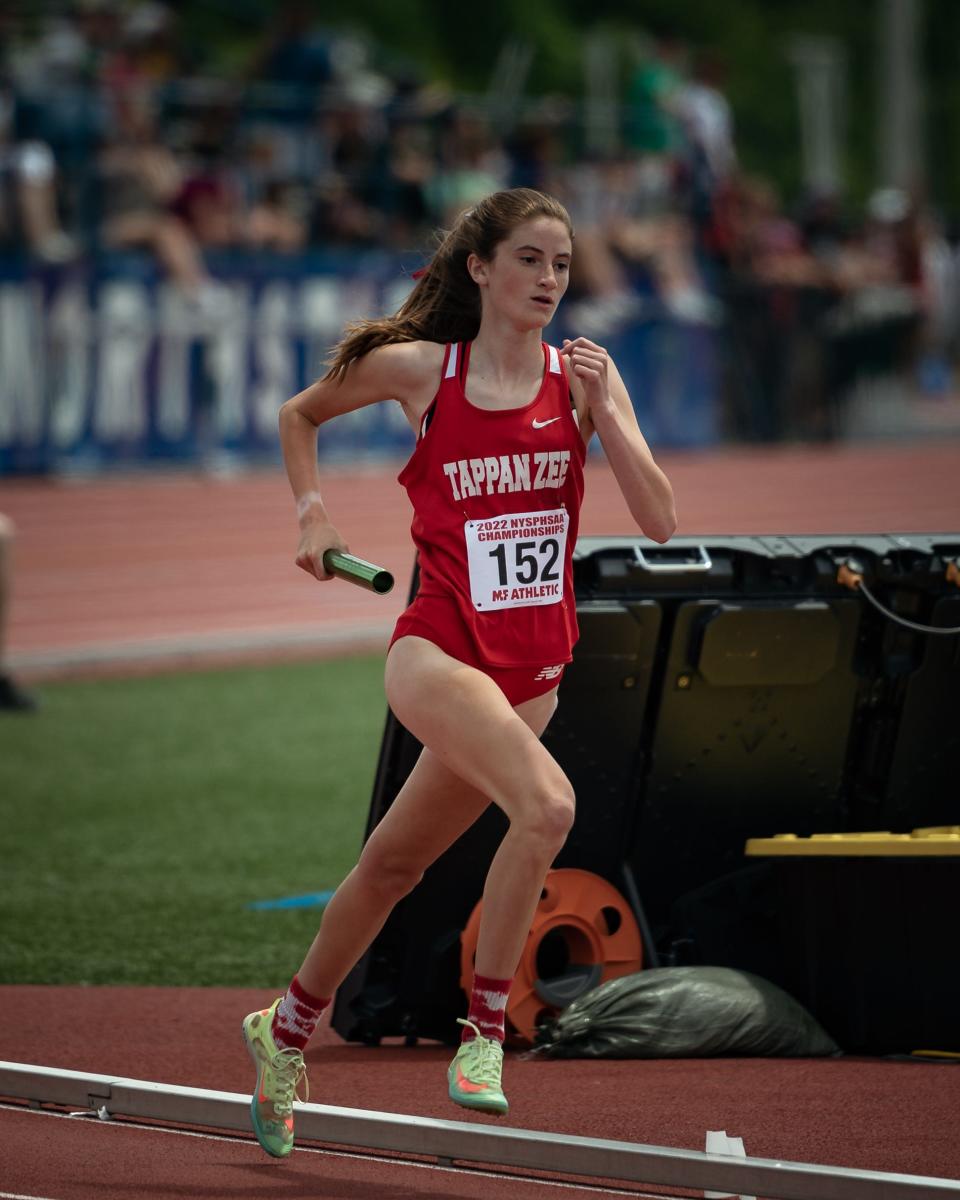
{"x": 107, "y": 364}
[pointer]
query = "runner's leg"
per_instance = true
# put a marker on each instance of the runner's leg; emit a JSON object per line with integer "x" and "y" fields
{"x": 466, "y": 721}
{"x": 432, "y": 809}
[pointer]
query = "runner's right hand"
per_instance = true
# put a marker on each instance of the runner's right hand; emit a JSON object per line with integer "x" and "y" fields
{"x": 315, "y": 539}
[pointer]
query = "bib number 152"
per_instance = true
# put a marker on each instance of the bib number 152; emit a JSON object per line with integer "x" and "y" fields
{"x": 517, "y": 559}
{"x": 532, "y": 562}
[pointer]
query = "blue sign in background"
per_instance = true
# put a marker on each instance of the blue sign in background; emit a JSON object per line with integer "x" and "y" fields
{"x": 106, "y": 364}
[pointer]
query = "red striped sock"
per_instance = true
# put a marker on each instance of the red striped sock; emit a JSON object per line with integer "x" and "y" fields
{"x": 488, "y": 1002}
{"x": 296, "y": 1017}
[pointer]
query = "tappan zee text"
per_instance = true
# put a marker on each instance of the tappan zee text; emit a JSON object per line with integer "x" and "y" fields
{"x": 502, "y": 473}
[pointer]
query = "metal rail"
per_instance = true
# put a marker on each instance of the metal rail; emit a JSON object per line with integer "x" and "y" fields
{"x": 460, "y": 1141}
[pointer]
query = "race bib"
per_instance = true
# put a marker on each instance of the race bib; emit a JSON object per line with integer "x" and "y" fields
{"x": 517, "y": 559}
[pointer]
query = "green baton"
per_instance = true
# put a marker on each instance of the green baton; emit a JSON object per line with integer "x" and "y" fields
{"x": 358, "y": 571}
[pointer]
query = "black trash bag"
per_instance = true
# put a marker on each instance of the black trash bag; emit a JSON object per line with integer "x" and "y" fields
{"x": 684, "y": 1012}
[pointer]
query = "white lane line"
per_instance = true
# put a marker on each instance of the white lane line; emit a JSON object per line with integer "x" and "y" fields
{"x": 240, "y": 1140}
{"x": 20, "y": 1196}
{"x": 344, "y": 635}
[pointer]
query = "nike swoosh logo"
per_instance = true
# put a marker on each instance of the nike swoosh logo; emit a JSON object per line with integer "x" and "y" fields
{"x": 465, "y": 1085}
{"x": 540, "y": 424}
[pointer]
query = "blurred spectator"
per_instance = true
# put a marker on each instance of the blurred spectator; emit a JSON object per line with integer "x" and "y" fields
{"x": 146, "y": 53}
{"x": 340, "y": 218}
{"x": 652, "y": 125}
{"x": 877, "y": 324}
{"x": 402, "y": 184}
{"x": 293, "y": 52}
{"x": 710, "y": 157}
{"x": 349, "y": 138}
{"x": 375, "y": 165}
{"x": 29, "y": 212}
{"x": 941, "y": 302}
{"x": 59, "y": 100}
{"x": 637, "y": 248}
{"x": 763, "y": 242}
{"x": 209, "y": 209}
{"x": 777, "y": 294}
{"x": 601, "y": 292}
{"x": 140, "y": 180}
{"x": 12, "y": 697}
{"x": 276, "y": 222}
{"x": 470, "y": 164}
{"x": 630, "y": 259}
{"x": 536, "y": 153}
{"x": 819, "y": 306}
{"x": 319, "y": 124}
{"x": 706, "y": 119}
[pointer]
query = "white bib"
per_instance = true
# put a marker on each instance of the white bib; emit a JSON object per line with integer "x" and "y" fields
{"x": 517, "y": 559}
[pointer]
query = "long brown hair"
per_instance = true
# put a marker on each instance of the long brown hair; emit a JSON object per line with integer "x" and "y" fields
{"x": 444, "y": 305}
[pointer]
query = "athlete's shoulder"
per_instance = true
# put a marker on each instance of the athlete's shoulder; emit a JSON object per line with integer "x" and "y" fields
{"x": 411, "y": 364}
{"x": 406, "y": 371}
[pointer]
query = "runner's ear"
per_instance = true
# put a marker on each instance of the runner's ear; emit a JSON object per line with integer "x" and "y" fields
{"x": 477, "y": 269}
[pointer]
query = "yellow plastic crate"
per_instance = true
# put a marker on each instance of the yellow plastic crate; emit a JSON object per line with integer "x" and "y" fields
{"x": 936, "y": 842}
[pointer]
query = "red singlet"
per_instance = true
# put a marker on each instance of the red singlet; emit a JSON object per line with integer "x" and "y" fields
{"x": 496, "y": 497}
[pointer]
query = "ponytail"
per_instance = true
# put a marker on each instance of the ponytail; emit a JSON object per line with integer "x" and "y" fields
{"x": 444, "y": 305}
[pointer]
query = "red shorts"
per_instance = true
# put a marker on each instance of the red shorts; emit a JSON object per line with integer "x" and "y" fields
{"x": 438, "y": 620}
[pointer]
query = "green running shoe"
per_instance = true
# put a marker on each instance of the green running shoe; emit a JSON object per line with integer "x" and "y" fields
{"x": 474, "y": 1074}
{"x": 278, "y": 1075}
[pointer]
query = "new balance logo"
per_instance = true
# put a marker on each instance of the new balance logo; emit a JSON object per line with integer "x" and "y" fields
{"x": 540, "y": 424}
{"x": 549, "y": 673}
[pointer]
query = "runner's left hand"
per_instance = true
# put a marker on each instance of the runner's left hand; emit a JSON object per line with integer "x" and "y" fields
{"x": 589, "y": 364}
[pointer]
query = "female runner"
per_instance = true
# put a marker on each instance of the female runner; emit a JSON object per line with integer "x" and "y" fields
{"x": 496, "y": 481}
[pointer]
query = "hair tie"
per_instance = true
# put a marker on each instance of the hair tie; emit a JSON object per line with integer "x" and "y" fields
{"x": 419, "y": 274}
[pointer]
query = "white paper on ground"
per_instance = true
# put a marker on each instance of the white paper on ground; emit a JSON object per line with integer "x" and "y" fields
{"x": 719, "y": 1143}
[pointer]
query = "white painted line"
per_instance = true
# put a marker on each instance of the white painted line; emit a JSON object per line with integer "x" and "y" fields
{"x": 460, "y": 1141}
{"x": 20, "y": 1196}
{"x": 340, "y": 637}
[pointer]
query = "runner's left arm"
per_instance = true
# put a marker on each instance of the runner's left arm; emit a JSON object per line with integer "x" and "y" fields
{"x": 608, "y": 410}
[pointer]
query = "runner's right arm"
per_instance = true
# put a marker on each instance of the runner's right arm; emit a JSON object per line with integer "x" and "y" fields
{"x": 405, "y": 371}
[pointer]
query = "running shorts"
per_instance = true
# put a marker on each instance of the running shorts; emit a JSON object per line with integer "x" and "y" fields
{"x": 437, "y": 619}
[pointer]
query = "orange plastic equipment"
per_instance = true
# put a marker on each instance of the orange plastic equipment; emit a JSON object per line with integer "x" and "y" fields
{"x": 583, "y": 934}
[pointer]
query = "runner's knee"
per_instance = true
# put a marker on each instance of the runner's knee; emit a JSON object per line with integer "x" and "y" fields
{"x": 386, "y": 871}
{"x": 549, "y": 819}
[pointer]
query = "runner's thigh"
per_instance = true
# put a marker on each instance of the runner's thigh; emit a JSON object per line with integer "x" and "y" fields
{"x": 461, "y": 715}
{"x": 435, "y": 806}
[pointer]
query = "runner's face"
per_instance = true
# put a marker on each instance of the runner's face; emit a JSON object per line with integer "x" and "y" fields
{"x": 529, "y": 271}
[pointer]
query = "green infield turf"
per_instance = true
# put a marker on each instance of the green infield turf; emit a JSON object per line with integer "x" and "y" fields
{"x": 142, "y": 818}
